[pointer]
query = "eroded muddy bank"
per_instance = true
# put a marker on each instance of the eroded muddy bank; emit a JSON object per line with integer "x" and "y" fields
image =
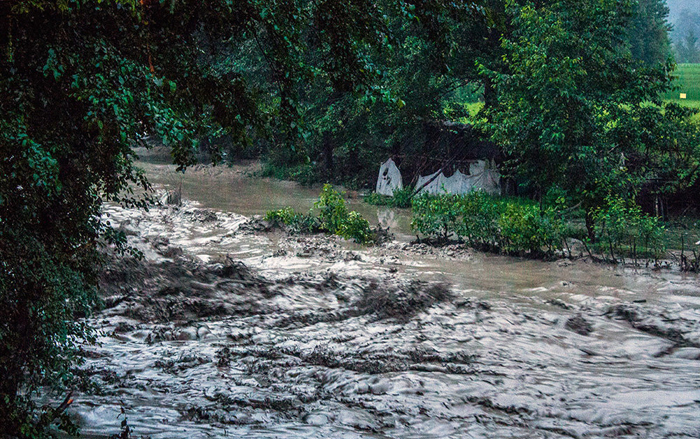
{"x": 225, "y": 330}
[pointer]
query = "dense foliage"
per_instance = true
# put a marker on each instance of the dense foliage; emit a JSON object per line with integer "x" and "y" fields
{"x": 622, "y": 229}
{"x": 648, "y": 32}
{"x": 81, "y": 81}
{"x": 518, "y": 226}
{"x": 567, "y": 119}
{"x": 329, "y": 215}
{"x": 427, "y": 73}
{"x": 424, "y": 68}
{"x": 489, "y": 223}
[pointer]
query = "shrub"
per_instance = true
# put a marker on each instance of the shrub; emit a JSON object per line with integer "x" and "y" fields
{"x": 436, "y": 216}
{"x": 297, "y": 222}
{"x": 331, "y": 208}
{"x": 527, "y": 229}
{"x": 357, "y": 228}
{"x": 333, "y": 217}
{"x": 401, "y": 198}
{"x": 621, "y": 228}
{"x": 512, "y": 226}
{"x": 479, "y": 224}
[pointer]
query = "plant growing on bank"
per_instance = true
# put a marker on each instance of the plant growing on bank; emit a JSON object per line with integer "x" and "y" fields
{"x": 478, "y": 227}
{"x": 329, "y": 215}
{"x": 621, "y": 228}
{"x": 437, "y": 216}
{"x": 521, "y": 227}
{"x": 331, "y": 209}
{"x": 401, "y": 198}
{"x": 527, "y": 228}
{"x": 297, "y": 222}
{"x": 489, "y": 223}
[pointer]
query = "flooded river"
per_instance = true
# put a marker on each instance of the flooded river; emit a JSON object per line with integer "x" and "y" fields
{"x": 227, "y": 330}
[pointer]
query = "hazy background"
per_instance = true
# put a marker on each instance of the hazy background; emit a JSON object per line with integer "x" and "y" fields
{"x": 684, "y": 17}
{"x": 677, "y": 6}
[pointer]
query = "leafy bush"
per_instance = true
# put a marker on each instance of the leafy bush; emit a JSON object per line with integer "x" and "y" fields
{"x": 519, "y": 226}
{"x": 436, "y": 216}
{"x": 479, "y": 225}
{"x": 331, "y": 208}
{"x": 333, "y": 217}
{"x": 336, "y": 219}
{"x": 494, "y": 224}
{"x": 354, "y": 226}
{"x": 401, "y": 198}
{"x": 621, "y": 228}
{"x": 297, "y": 222}
{"x": 525, "y": 228}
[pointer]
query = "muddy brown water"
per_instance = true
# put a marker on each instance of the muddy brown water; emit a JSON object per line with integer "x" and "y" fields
{"x": 228, "y": 331}
{"x": 229, "y": 188}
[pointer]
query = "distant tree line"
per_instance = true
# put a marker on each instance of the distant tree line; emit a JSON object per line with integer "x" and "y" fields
{"x": 687, "y": 37}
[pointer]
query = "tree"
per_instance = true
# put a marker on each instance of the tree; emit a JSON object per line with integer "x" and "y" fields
{"x": 685, "y": 31}
{"x": 688, "y": 49}
{"x": 648, "y": 32}
{"x": 571, "y": 83}
{"x": 421, "y": 76}
{"x": 81, "y": 81}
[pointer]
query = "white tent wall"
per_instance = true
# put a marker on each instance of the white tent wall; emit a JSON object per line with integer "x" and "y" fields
{"x": 389, "y": 178}
{"x": 482, "y": 176}
{"x": 433, "y": 187}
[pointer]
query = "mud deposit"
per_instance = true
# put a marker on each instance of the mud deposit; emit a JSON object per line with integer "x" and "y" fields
{"x": 226, "y": 330}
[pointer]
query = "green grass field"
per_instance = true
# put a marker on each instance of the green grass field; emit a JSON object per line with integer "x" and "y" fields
{"x": 689, "y": 83}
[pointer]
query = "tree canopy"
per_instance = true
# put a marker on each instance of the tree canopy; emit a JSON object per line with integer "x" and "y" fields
{"x": 81, "y": 83}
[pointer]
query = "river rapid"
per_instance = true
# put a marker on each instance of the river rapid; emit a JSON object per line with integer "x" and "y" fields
{"x": 229, "y": 328}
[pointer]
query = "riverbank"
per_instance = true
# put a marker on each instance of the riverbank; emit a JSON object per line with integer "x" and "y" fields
{"x": 237, "y": 189}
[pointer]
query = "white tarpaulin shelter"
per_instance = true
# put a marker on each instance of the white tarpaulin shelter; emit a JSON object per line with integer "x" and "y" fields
{"x": 389, "y": 178}
{"x": 431, "y": 187}
{"x": 482, "y": 177}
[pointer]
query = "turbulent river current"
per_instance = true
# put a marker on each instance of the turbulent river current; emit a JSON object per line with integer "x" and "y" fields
{"x": 230, "y": 329}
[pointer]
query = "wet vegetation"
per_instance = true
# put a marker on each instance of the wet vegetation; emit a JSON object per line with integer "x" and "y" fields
{"x": 401, "y": 198}
{"x": 522, "y": 227}
{"x": 490, "y": 223}
{"x": 329, "y": 215}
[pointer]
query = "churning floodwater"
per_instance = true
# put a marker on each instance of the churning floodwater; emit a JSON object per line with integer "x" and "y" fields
{"x": 230, "y": 330}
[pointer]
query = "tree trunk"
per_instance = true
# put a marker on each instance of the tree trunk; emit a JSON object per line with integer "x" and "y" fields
{"x": 590, "y": 225}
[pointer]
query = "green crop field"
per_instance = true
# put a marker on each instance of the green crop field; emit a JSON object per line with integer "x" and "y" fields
{"x": 689, "y": 83}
